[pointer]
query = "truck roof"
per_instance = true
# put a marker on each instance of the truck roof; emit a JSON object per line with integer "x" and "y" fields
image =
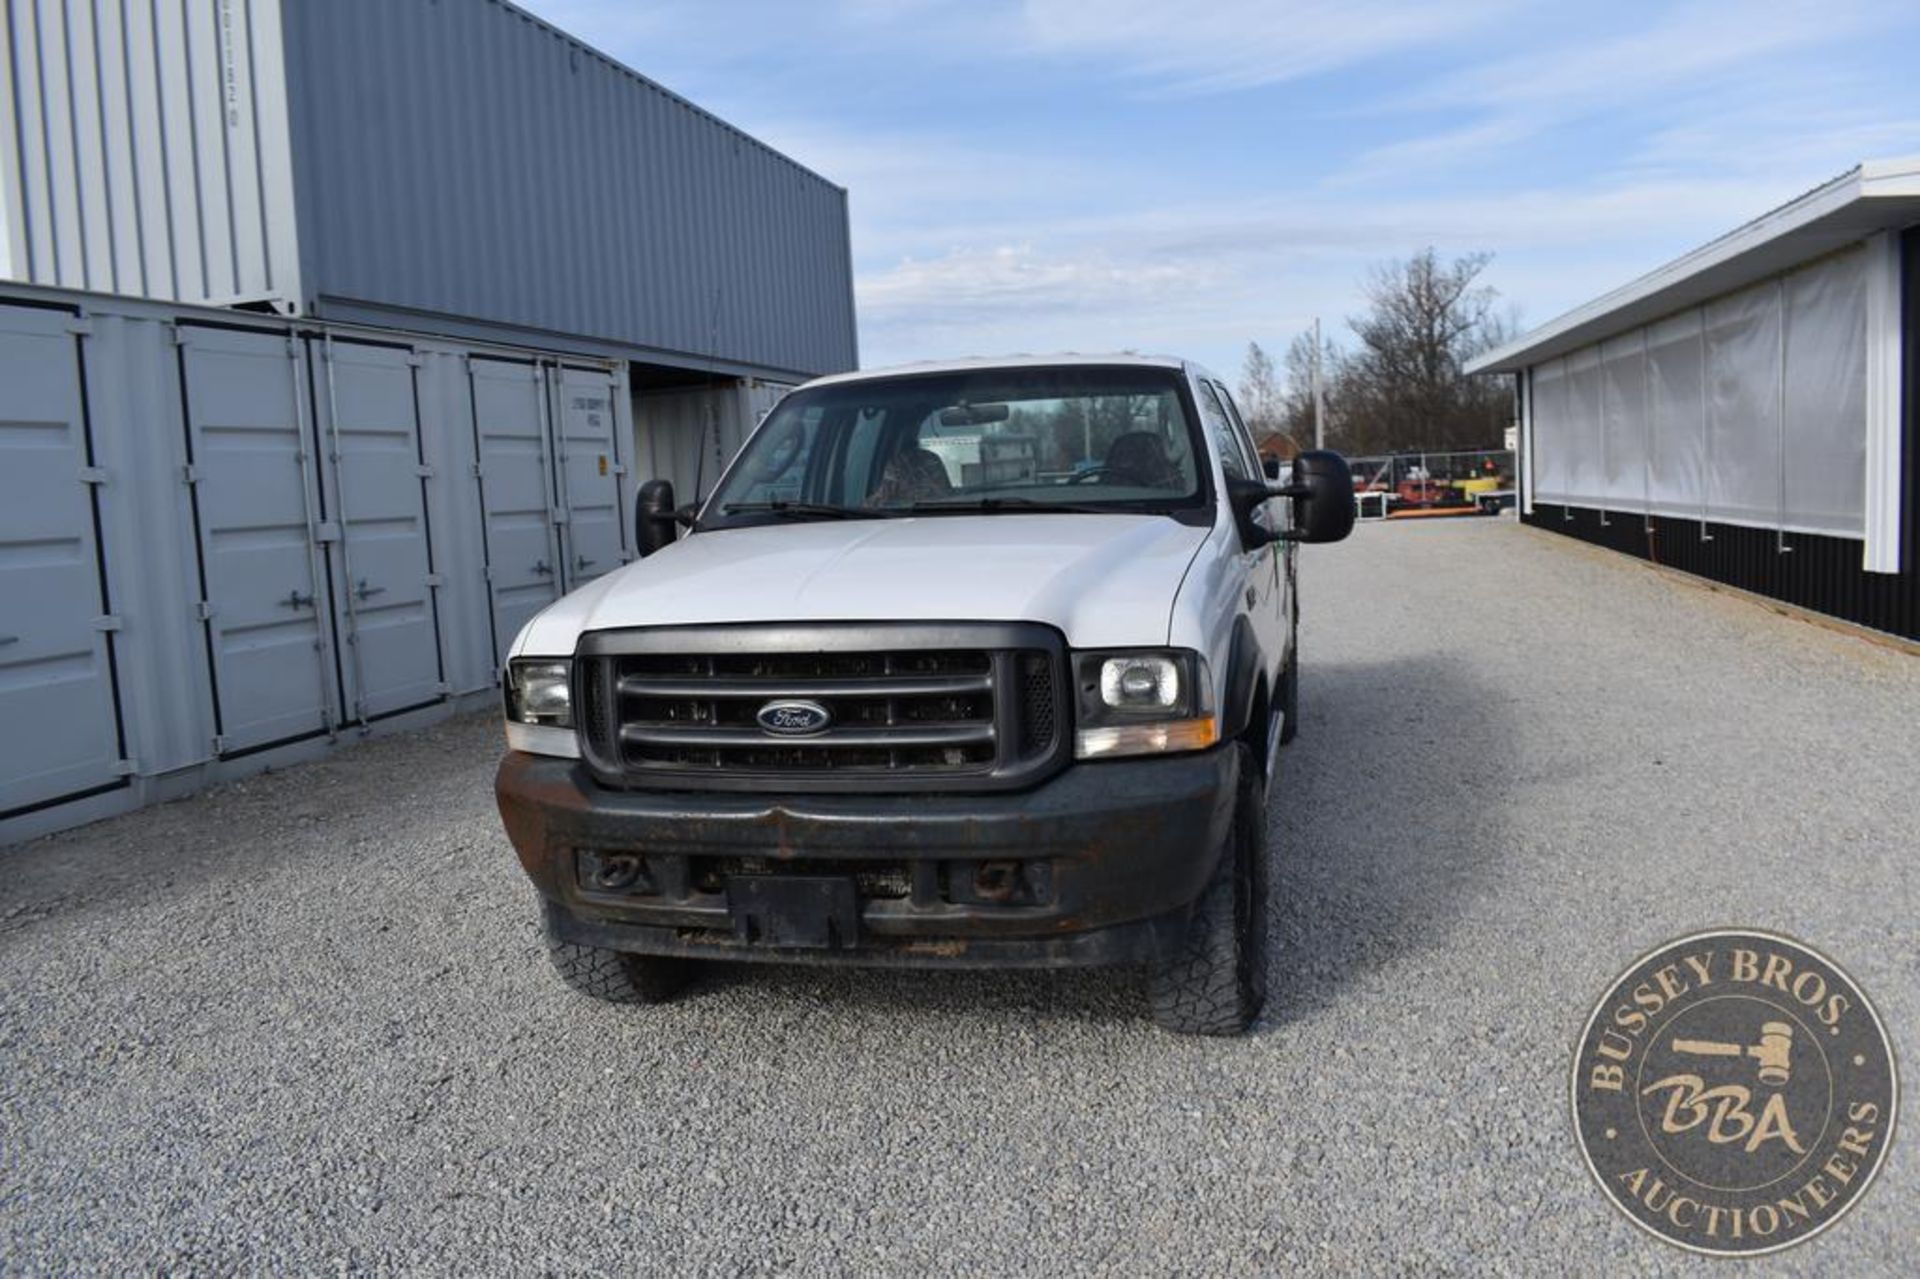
{"x": 1067, "y": 358}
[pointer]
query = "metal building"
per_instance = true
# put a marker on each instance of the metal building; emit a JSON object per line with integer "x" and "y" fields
{"x": 1749, "y": 411}
{"x": 449, "y": 166}
{"x": 343, "y": 332}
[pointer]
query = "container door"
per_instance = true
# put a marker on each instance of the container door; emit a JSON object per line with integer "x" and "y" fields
{"x": 258, "y": 515}
{"x": 61, "y": 731}
{"x": 591, "y": 473}
{"x": 516, "y": 493}
{"x": 381, "y": 565}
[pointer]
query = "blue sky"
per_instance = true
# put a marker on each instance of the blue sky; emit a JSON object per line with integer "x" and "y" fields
{"x": 1039, "y": 175}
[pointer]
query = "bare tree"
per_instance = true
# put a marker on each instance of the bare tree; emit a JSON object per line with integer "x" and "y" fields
{"x": 1297, "y": 415}
{"x": 1261, "y": 400}
{"x": 1404, "y": 389}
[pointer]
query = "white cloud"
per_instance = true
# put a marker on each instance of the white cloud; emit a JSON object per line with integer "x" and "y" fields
{"x": 1235, "y": 44}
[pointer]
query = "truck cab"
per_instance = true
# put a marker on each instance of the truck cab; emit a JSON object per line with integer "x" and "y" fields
{"x": 978, "y": 664}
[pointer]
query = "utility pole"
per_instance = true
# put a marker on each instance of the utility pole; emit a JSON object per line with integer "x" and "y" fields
{"x": 1319, "y": 397}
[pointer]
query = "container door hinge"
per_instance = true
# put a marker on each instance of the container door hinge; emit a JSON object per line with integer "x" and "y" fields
{"x": 125, "y": 767}
{"x": 189, "y": 473}
{"x": 93, "y": 475}
{"x": 560, "y": 515}
{"x": 443, "y": 690}
{"x": 220, "y": 742}
{"x": 487, "y": 573}
{"x": 203, "y": 611}
{"x": 474, "y": 468}
{"x": 81, "y": 326}
{"x": 108, "y": 622}
{"x": 435, "y": 581}
{"x": 178, "y": 335}
{"x": 326, "y": 531}
{"x": 415, "y": 359}
{"x": 424, "y": 471}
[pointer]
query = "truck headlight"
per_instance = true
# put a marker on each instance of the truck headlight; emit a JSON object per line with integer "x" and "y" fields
{"x": 539, "y": 696}
{"x": 1142, "y": 702}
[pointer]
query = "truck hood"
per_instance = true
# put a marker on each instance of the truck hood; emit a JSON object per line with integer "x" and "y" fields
{"x": 1105, "y": 581}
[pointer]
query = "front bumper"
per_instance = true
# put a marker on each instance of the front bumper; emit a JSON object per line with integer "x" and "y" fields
{"x": 1099, "y": 865}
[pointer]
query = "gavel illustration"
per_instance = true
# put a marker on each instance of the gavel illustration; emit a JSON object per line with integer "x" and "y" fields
{"x": 1773, "y": 1052}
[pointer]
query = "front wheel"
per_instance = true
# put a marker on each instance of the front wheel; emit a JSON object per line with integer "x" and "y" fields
{"x": 615, "y": 975}
{"x": 1215, "y": 982}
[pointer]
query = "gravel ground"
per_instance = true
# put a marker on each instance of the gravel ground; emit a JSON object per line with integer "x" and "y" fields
{"x": 303, "y": 1022}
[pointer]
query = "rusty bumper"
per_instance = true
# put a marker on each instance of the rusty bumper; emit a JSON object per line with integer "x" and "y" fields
{"x": 1099, "y": 865}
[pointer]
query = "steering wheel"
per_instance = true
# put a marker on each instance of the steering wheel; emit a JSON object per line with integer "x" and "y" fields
{"x": 1081, "y": 477}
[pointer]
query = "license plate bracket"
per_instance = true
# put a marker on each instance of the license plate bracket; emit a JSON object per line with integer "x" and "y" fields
{"x": 812, "y": 912}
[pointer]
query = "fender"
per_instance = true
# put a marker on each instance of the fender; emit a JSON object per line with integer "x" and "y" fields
{"x": 1245, "y": 661}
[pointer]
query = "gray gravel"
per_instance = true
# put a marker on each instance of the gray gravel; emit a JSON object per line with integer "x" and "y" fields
{"x": 304, "y": 1021}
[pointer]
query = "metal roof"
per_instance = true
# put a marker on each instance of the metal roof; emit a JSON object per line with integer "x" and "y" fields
{"x": 1877, "y": 195}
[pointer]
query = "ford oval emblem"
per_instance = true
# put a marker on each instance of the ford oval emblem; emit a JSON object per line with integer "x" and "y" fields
{"x": 794, "y": 718}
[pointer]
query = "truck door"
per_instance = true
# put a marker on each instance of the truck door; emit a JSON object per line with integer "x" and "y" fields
{"x": 1261, "y": 588}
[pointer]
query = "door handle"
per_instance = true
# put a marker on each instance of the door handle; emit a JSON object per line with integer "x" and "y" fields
{"x": 296, "y": 600}
{"x": 581, "y": 562}
{"x": 1252, "y": 596}
{"x": 543, "y": 568}
{"x": 8, "y": 639}
{"x": 364, "y": 592}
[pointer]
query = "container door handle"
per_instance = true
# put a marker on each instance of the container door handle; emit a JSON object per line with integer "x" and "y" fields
{"x": 580, "y": 562}
{"x": 8, "y": 639}
{"x": 296, "y": 600}
{"x": 364, "y": 592}
{"x": 542, "y": 568}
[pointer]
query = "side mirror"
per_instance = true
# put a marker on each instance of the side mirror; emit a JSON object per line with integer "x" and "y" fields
{"x": 1322, "y": 493}
{"x": 1271, "y": 465}
{"x": 654, "y": 525}
{"x": 1246, "y": 497}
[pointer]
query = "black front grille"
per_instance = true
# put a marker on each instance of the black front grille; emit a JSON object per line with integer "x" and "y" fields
{"x": 685, "y": 705}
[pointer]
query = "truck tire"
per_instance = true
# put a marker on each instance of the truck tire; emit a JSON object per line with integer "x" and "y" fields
{"x": 616, "y": 976}
{"x": 1216, "y": 980}
{"x": 1289, "y": 698}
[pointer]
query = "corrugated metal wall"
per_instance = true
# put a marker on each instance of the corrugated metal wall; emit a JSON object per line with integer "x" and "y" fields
{"x": 146, "y": 145}
{"x": 446, "y": 166}
{"x": 229, "y": 541}
{"x": 458, "y": 158}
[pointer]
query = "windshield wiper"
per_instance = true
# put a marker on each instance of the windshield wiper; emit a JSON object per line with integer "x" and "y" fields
{"x": 806, "y": 510}
{"x": 1024, "y": 505}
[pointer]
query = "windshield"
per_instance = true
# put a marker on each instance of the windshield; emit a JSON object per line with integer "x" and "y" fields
{"x": 1019, "y": 439}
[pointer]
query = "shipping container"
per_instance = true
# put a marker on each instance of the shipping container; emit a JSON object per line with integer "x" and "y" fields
{"x": 449, "y": 166}
{"x": 232, "y": 541}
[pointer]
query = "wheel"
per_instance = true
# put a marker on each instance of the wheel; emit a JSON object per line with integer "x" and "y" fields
{"x": 615, "y": 975}
{"x": 1289, "y": 698}
{"x": 1216, "y": 980}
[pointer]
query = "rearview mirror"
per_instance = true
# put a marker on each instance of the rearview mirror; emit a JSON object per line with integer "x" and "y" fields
{"x": 654, "y": 523}
{"x": 973, "y": 414}
{"x": 1322, "y": 493}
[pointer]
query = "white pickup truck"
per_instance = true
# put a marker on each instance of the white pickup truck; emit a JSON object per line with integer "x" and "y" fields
{"x": 980, "y": 664}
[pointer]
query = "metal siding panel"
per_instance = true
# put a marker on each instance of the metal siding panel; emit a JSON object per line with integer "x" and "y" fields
{"x": 181, "y": 176}
{"x": 30, "y": 214}
{"x": 210, "y": 174}
{"x": 116, "y": 148}
{"x": 246, "y": 404}
{"x": 522, "y": 227}
{"x": 384, "y": 600}
{"x": 56, "y": 693}
{"x": 241, "y": 149}
{"x": 83, "y": 87}
{"x": 63, "y": 179}
{"x": 513, "y": 458}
